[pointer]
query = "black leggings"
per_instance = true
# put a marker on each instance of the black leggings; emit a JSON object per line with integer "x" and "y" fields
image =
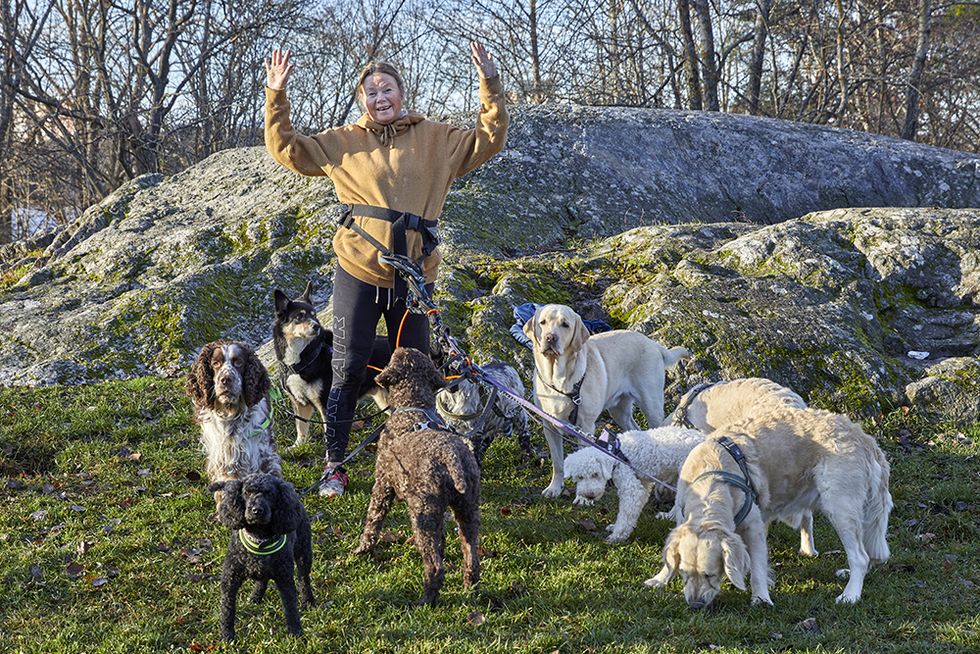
{"x": 357, "y": 307}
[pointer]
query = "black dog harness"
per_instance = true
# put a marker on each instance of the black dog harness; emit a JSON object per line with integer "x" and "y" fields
{"x": 261, "y": 547}
{"x": 401, "y": 221}
{"x": 308, "y": 355}
{"x": 743, "y": 483}
{"x": 434, "y": 421}
{"x": 575, "y": 396}
{"x": 609, "y": 441}
{"x": 680, "y": 413}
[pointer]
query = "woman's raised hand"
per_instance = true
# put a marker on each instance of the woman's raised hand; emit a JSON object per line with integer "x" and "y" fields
{"x": 482, "y": 59}
{"x": 277, "y": 69}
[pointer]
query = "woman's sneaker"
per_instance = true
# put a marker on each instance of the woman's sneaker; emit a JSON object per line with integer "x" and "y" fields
{"x": 335, "y": 484}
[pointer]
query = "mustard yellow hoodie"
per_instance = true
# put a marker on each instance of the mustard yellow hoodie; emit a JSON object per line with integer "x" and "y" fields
{"x": 406, "y": 166}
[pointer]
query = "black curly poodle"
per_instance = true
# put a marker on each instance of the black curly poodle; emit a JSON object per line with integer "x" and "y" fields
{"x": 270, "y": 530}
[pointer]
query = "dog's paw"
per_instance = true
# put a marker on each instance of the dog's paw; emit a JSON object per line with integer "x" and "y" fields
{"x": 807, "y": 551}
{"x": 611, "y": 527}
{"x": 764, "y": 601}
{"x": 843, "y": 573}
{"x": 655, "y": 582}
{"x": 848, "y": 598}
{"x": 363, "y": 548}
{"x": 582, "y": 501}
{"x": 552, "y": 491}
{"x": 614, "y": 538}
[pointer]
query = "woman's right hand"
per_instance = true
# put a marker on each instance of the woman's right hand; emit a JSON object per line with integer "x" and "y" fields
{"x": 278, "y": 69}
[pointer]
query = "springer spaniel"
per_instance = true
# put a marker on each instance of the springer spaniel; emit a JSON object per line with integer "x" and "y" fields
{"x": 229, "y": 387}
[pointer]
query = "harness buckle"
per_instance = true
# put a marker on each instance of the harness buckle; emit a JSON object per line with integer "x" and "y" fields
{"x": 347, "y": 217}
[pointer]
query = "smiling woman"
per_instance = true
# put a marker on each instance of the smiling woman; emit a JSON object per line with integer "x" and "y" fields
{"x": 394, "y": 168}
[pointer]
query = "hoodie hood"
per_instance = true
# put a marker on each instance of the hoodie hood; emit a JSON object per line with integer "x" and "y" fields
{"x": 387, "y": 133}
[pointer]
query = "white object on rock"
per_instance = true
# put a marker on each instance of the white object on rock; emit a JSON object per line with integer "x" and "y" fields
{"x": 914, "y": 354}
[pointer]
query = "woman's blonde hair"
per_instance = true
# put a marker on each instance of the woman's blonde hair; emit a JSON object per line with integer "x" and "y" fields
{"x": 376, "y": 67}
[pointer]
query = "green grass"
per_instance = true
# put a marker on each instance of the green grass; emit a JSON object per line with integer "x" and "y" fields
{"x": 107, "y": 545}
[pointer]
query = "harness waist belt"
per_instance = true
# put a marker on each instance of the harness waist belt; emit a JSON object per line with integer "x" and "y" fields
{"x": 400, "y": 222}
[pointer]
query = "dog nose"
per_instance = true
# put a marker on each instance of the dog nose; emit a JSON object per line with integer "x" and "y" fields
{"x": 550, "y": 339}
{"x": 697, "y": 605}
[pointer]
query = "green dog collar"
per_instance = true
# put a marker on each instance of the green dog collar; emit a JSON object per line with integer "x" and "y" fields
{"x": 261, "y": 548}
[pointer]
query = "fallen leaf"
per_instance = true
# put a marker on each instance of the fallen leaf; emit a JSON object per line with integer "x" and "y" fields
{"x": 83, "y": 547}
{"x": 144, "y": 472}
{"x": 163, "y": 547}
{"x": 15, "y": 484}
{"x": 506, "y": 510}
{"x": 35, "y": 571}
{"x": 77, "y": 509}
{"x": 193, "y": 475}
{"x": 810, "y": 625}
{"x": 484, "y": 553}
{"x": 74, "y": 569}
{"x": 390, "y": 537}
{"x": 39, "y": 515}
{"x": 100, "y": 581}
{"x": 586, "y": 524}
{"x": 194, "y": 647}
{"x": 476, "y": 618}
{"x": 47, "y": 489}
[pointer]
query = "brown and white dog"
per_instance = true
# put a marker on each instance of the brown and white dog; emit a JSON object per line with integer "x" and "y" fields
{"x": 229, "y": 388}
{"x": 576, "y": 377}
{"x": 795, "y": 460}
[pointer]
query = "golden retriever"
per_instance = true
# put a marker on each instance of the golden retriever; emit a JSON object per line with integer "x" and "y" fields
{"x": 719, "y": 405}
{"x": 796, "y": 459}
{"x": 577, "y": 376}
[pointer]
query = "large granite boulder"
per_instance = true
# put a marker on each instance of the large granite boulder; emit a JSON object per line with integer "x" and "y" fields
{"x": 683, "y": 225}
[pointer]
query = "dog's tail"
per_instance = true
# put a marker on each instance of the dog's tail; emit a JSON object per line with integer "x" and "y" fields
{"x": 455, "y": 467}
{"x": 877, "y": 506}
{"x": 673, "y": 356}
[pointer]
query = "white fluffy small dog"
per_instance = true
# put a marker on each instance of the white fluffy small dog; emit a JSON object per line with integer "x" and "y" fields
{"x": 657, "y": 452}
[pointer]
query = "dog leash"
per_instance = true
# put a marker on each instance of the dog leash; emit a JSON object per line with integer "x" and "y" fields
{"x": 458, "y": 361}
{"x": 350, "y": 456}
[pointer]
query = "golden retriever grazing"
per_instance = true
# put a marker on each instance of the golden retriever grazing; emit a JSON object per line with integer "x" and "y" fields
{"x": 774, "y": 466}
{"x": 577, "y": 376}
{"x": 718, "y": 405}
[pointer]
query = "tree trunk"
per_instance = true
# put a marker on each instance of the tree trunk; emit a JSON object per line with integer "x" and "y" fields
{"x": 915, "y": 75}
{"x": 758, "y": 54}
{"x": 709, "y": 66}
{"x": 690, "y": 55}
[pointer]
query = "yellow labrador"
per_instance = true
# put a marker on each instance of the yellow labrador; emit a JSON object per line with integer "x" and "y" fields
{"x": 796, "y": 459}
{"x": 576, "y": 377}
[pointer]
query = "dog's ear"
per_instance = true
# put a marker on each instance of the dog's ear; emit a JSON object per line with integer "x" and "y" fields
{"x": 532, "y": 328}
{"x": 606, "y": 464}
{"x": 307, "y": 293}
{"x": 281, "y": 301}
{"x": 255, "y": 378}
{"x": 436, "y": 378}
{"x": 672, "y": 554}
{"x": 736, "y": 558}
{"x": 200, "y": 380}
{"x": 579, "y": 333}
{"x": 386, "y": 377}
{"x": 286, "y": 515}
{"x": 232, "y": 511}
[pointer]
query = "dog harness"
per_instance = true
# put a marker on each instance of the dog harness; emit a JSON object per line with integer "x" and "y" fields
{"x": 261, "y": 547}
{"x": 308, "y": 355}
{"x": 401, "y": 221}
{"x": 743, "y": 483}
{"x": 575, "y": 396}
{"x": 609, "y": 441}
{"x": 434, "y": 421}
{"x": 680, "y": 413}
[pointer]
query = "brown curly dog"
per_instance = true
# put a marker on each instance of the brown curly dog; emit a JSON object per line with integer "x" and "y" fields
{"x": 428, "y": 467}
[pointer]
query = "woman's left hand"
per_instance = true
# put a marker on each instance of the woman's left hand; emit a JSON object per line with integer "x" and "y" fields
{"x": 482, "y": 59}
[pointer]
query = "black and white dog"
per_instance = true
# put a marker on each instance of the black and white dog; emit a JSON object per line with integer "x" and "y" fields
{"x": 304, "y": 349}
